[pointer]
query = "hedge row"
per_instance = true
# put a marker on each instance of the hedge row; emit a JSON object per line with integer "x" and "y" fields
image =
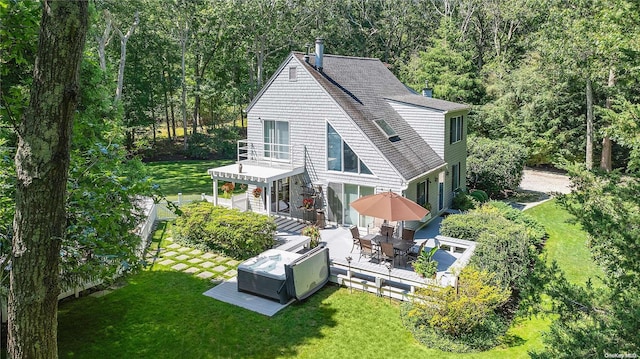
{"x": 236, "y": 234}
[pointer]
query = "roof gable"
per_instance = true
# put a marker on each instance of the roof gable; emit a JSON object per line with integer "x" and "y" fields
{"x": 360, "y": 86}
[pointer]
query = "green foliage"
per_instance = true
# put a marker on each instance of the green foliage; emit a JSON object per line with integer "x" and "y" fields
{"x": 312, "y": 232}
{"x": 199, "y": 146}
{"x": 461, "y": 318}
{"x": 448, "y": 69}
{"x": 225, "y": 142}
{"x": 494, "y": 165}
{"x": 479, "y": 195}
{"x": 507, "y": 241}
{"x": 424, "y": 265}
{"x": 596, "y": 321}
{"x": 233, "y": 233}
{"x": 463, "y": 201}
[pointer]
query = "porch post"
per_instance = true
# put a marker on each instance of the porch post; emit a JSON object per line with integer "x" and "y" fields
{"x": 268, "y": 204}
{"x": 215, "y": 192}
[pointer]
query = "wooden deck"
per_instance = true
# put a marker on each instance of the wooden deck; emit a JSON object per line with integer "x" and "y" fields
{"x": 368, "y": 274}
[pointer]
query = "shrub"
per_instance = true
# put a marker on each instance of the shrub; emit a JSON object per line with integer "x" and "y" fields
{"x": 240, "y": 235}
{"x": 462, "y": 201}
{"x": 506, "y": 240}
{"x": 226, "y": 139}
{"x": 199, "y": 146}
{"x": 479, "y": 195}
{"x": 495, "y": 165}
{"x": 458, "y": 319}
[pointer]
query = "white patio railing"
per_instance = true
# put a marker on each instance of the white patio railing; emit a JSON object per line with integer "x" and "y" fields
{"x": 271, "y": 154}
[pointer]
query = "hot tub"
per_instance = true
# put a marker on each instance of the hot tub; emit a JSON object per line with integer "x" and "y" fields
{"x": 283, "y": 275}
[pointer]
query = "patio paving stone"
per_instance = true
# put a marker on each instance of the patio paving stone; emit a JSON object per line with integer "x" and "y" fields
{"x": 182, "y": 257}
{"x": 192, "y": 270}
{"x": 195, "y": 252}
{"x": 174, "y": 246}
{"x": 221, "y": 259}
{"x": 207, "y": 265}
{"x": 179, "y": 266}
{"x": 231, "y": 273}
{"x": 184, "y": 249}
{"x": 208, "y": 255}
{"x": 169, "y": 254}
{"x": 167, "y": 262}
{"x": 220, "y": 269}
{"x": 169, "y": 239}
{"x": 205, "y": 275}
{"x": 232, "y": 263}
{"x": 194, "y": 260}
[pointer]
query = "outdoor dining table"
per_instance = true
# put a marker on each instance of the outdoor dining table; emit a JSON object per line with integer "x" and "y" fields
{"x": 401, "y": 246}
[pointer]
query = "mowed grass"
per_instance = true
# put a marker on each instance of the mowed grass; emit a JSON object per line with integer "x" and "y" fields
{"x": 161, "y": 313}
{"x": 567, "y": 243}
{"x": 186, "y": 177}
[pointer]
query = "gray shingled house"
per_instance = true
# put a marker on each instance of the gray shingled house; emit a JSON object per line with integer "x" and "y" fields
{"x": 328, "y": 129}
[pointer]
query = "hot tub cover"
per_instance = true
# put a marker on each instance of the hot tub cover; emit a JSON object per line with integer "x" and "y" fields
{"x": 269, "y": 263}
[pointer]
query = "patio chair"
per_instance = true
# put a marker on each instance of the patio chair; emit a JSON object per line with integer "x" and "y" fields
{"x": 411, "y": 257}
{"x": 388, "y": 253}
{"x": 408, "y": 234}
{"x": 387, "y": 231}
{"x": 355, "y": 234}
{"x": 366, "y": 249}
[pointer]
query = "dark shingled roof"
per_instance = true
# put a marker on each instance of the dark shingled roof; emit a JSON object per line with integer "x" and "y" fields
{"x": 361, "y": 86}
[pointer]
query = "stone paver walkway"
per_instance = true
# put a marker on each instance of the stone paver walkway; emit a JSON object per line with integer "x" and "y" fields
{"x": 201, "y": 264}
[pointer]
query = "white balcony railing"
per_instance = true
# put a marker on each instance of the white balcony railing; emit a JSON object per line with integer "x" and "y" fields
{"x": 271, "y": 154}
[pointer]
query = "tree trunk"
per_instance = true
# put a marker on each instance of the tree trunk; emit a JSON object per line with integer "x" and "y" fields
{"x": 123, "y": 54}
{"x": 196, "y": 105}
{"x": 42, "y": 164}
{"x": 589, "y": 149}
{"x": 183, "y": 105}
{"x": 166, "y": 104}
{"x": 103, "y": 41}
{"x": 605, "y": 159}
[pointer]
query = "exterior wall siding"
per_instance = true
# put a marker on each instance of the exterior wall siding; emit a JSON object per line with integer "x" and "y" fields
{"x": 308, "y": 109}
{"x": 455, "y": 153}
{"x": 428, "y": 123}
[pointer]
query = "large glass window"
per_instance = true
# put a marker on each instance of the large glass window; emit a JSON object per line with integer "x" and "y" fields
{"x": 276, "y": 139}
{"x": 340, "y": 196}
{"x": 455, "y": 129}
{"x": 340, "y": 157}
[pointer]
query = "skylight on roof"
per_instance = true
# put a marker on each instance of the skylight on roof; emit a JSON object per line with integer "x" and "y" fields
{"x": 384, "y": 126}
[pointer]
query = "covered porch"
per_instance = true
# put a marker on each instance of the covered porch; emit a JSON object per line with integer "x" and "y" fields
{"x": 268, "y": 178}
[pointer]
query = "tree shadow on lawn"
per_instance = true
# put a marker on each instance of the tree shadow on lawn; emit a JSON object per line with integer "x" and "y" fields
{"x": 163, "y": 314}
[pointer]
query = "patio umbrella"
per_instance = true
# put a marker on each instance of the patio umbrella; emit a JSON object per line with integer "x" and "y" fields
{"x": 390, "y": 206}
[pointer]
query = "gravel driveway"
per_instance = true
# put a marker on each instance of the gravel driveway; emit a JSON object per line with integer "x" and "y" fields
{"x": 542, "y": 185}
{"x": 545, "y": 182}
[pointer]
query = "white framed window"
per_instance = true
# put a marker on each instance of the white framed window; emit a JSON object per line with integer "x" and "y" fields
{"x": 455, "y": 129}
{"x": 276, "y": 139}
{"x": 293, "y": 74}
{"x": 340, "y": 157}
{"x": 422, "y": 192}
{"x": 455, "y": 176}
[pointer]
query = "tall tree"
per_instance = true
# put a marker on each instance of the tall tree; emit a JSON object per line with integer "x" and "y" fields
{"x": 42, "y": 163}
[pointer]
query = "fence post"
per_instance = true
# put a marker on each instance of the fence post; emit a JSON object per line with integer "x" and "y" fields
{"x": 179, "y": 198}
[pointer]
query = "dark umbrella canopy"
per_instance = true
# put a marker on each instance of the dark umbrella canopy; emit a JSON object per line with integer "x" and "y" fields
{"x": 390, "y": 206}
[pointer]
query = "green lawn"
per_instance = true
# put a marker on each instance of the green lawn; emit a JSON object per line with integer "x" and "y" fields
{"x": 186, "y": 177}
{"x": 567, "y": 243}
{"x": 162, "y": 313}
